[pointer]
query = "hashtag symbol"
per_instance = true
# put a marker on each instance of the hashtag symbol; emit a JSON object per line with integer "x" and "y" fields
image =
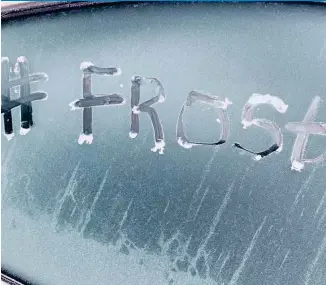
{"x": 22, "y": 78}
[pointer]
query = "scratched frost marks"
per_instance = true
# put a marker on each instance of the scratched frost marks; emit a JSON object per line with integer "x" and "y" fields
{"x": 125, "y": 215}
{"x": 312, "y": 266}
{"x": 193, "y": 210}
{"x": 201, "y": 201}
{"x": 5, "y": 169}
{"x": 322, "y": 219}
{"x": 302, "y": 188}
{"x": 226, "y": 259}
{"x": 285, "y": 258}
{"x": 200, "y": 263}
{"x": 322, "y": 201}
{"x": 68, "y": 192}
{"x": 218, "y": 215}
{"x": 206, "y": 171}
{"x": 91, "y": 209}
{"x": 27, "y": 191}
{"x": 247, "y": 254}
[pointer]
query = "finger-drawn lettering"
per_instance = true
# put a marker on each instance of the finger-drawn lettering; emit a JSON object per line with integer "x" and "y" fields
{"x": 303, "y": 130}
{"x": 212, "y": 101}
{"x": 137, "y": 107}
{"x": 90, "y": 100}
{"x": 17, "y": 79}
{"x": 271, "y": 127}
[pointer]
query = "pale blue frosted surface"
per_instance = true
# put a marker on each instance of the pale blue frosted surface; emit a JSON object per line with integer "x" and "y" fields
{"x": 114, "y": 212}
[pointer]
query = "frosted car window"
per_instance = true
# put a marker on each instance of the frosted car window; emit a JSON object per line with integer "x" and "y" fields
{"x": 148, "y": 177}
